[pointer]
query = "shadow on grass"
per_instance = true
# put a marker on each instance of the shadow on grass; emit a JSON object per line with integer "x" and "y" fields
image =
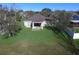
{"x": 66, "y": 41}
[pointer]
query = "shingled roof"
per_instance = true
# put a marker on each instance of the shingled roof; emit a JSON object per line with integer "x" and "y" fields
{"x": 37, "y": 18}
{"x": 75, "y": 18}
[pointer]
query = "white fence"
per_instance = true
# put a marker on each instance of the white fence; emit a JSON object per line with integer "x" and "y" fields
{"x": 76, "y": 36}
{"x": 72, "y": 34}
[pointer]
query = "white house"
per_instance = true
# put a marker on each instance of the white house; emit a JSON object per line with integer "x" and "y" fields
{"x": 35, "y": 22}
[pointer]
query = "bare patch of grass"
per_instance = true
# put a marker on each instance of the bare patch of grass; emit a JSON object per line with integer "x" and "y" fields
{"x": 27, "y": 47}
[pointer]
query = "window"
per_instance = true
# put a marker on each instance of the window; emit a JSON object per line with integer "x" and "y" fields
{"x": 37, "y": 24}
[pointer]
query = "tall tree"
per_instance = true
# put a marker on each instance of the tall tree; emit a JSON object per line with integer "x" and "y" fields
{"x": 77, "y": 12}
{"x": 62, "y": 18}
{"x": 8, "y": 22}
{"x": 46, "y": 12}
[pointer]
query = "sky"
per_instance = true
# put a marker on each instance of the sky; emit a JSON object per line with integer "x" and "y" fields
{"x": 40, "y": 6}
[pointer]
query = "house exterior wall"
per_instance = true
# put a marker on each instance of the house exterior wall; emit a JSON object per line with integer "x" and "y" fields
{"x": 27, "y": 24}
{"x": 41, "y": 27}
{"x": 74, "y": 24}
{"x": 35, "y": 27}
{"x": 43, "y": 24}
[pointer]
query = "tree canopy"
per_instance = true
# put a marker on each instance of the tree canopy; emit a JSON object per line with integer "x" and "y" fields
{"x": 46, "y": 12}
{"x": 62, "y": 18}
{"x": 8, "y": 22}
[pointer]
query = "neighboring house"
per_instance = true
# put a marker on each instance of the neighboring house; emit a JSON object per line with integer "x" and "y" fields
{"x": 73, "y": 29}
{"x": 36, "y": 22}
{"x": 75, "y": 25}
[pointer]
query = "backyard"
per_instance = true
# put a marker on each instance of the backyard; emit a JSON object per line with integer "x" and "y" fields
{"x": 32, "y": 42}
{"x": 76, "y": 29}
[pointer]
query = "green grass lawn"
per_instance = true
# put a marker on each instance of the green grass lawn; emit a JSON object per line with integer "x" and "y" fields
{"x": 76, "y": 42}
{"x": 76, "y": 29}
{"x": 32, "y": 42}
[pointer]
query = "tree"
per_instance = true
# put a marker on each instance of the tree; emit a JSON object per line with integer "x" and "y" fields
{"x": 62, "y": 18}
{"x": 46, "y": 12}
{"x": 9, "y": 24}
{"x": 20, "y": 10}
{"x": 13, "y": 23}
{"x": 77, "y": 12}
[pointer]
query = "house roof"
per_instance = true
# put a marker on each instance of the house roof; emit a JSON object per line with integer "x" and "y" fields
{"x": 37, "y": 18}
{"x": 75, "y": 18}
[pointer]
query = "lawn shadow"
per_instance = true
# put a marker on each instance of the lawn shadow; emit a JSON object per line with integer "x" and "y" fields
{"x": 65, "y": 40}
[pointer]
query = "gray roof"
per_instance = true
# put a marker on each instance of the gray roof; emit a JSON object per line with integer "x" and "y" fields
{"x": 37, "y": 18}
{"x": 75, "y": 18}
